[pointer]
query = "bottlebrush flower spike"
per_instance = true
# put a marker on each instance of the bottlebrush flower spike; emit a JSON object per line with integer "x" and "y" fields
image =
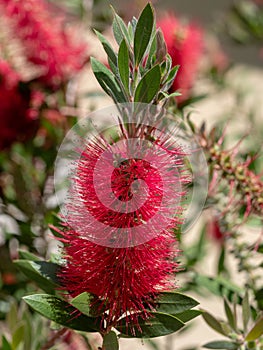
{"x": 185, "y": 45}
{"x": 124, "y": 277}
{"x": 47, "y": 43}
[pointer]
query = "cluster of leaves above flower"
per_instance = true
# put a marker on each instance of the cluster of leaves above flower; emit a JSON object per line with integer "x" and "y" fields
{"x": 142, "y": 69}
{"x": 171, "y": 311}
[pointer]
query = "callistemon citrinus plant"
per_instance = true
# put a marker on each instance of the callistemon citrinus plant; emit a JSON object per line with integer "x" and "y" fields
{"x": 124, "y": 202}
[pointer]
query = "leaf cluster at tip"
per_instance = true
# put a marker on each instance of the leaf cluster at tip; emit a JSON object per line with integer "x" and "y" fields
{"x": 141, "y": 71}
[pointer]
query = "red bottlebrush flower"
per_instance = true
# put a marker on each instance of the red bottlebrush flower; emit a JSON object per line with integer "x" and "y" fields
{"x": 119, "y": 241}
{"x": 46, "y": 41}
{"x": 185, "y": 46}
{"x": 18, "y": 113}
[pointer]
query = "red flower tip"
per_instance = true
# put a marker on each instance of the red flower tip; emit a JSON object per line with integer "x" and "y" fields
{"x": 185, "y": 46}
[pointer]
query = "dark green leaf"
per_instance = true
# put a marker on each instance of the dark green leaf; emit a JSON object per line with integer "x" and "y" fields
{"x": 61, "y": 312}
{"x": 174, "y": 303}
{"x": 187, "y": 315}
{"x": 143, "y": 33}
{"x": 82, "y": 303}
{"x": 158, "y": 325}
{"x": 256, "y": 331}
{"x": 110, "y": 341}
{"x": 123, "y": 65}
{"x": 213, "y": 322}
{"x": 230, "y": 315}
{"x": 221, "y": 344}
{"x": 107, "y": 81}
{"x": 246, "y": 312}
{"x": 148, "y": 86}
{"x": 43, "y": 273}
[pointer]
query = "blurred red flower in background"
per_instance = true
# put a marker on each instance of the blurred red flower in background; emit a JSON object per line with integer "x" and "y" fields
{"x": 18, "y": 108}
{"x": 46, "y": 41}
{"x": 185, "y": 46}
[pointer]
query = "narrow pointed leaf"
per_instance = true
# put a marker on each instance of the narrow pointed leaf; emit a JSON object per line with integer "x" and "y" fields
{"x": 256, "y": 331}
{"x": 221, "y": 344}
{"x": 245, "y": 311}
{"x": 123, "y": 65}
{"x": 148, "y": 86}
{"x": 143, "y": 33}
{"x": 229, "y": 315}
{"x": 158, "y": 325}
{"x": 213, "y": 322}
{"x": 107, "y": 81}
{"x": 61, "y": 312}
{"x": 171, "y": 76}
{"x": 120, "y": 30}
{"x": 18, "y": 335}
{"x": 174, "y": 303}
{"x": 152, "y": 51}
{"x": 5, "y": 344}
{"x": 110, "y": 341}
{"x": 24, "y": 255}
{"x": 107, "y": 47}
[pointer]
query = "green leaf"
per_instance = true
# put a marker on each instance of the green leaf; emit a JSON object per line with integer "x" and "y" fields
{"x": 229, "y": 314}
{"x": 246, "y": 312}
{"x": 171, "y": 76}
{"x": 11, "y": 317}
{"x": 18, "y": 335}
{"x": 158, "y": 325}
{"x": 256, "y": 331}
{"x": 221, "y": 344}
{"x": 120, "y": 31}
{"x": 5, "y": 344}
{"x": 43, "y": 273}
{"x": 173, "y": 303}
{"x": 107, "y": 81}
{"x": 213, "y": 322}
{"x": 143, "y": 33}
{"x": 61, "y": 312}
{"x": 107, "y": 47}
{"x": 123, "y": 65}
{"x": 152, "y": 51}
{"x": 24, "y": 255}
{"x": 219, "y": 286}
{"x": 110, "y": 341}
{"x": 82, "y": 303}
{"x": 187, "y": 315}
{"x": 148, "y": 86}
